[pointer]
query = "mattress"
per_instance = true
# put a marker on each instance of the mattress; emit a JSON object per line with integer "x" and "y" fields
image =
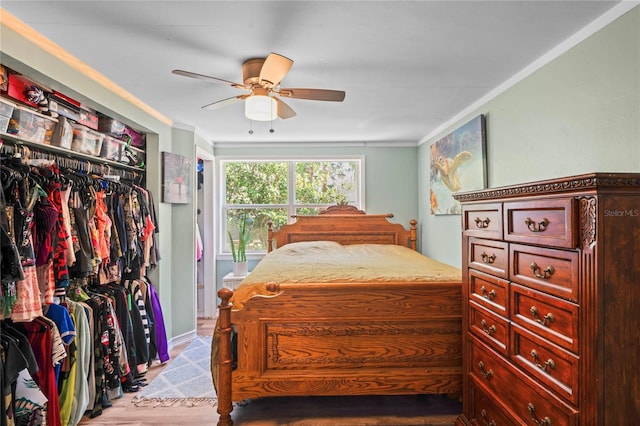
{"x": 331, "y": 262}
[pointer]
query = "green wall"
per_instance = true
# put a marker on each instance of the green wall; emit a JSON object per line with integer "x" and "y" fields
{"x": 578, "y": 114}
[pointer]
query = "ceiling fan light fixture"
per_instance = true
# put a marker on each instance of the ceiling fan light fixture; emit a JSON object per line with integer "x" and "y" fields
{"x": 262, "y": 77}
{"x": 261, "y": 108}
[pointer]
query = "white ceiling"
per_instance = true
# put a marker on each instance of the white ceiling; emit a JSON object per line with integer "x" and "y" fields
{"x": 407, "y": 66}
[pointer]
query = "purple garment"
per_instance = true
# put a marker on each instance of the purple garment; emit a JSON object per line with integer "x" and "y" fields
{"x": 160, "y": 332}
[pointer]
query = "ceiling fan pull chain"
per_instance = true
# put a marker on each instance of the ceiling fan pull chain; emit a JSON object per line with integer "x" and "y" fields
{"x": 271, "y": 129}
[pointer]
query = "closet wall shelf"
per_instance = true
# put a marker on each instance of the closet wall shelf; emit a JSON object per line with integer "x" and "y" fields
{"x": 68, "y": 153}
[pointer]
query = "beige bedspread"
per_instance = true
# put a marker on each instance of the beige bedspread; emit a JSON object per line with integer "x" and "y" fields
{"x": 330, "y": 262}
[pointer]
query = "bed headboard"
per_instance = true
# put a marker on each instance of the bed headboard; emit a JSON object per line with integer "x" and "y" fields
{"x": 343, "y": 224}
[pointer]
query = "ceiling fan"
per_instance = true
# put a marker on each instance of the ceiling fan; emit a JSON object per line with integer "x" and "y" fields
{"x": 262, "y": 77}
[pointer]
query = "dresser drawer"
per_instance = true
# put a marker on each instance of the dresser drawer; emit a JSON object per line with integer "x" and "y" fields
{"x": 549, "y": 270}
{"x": 483, "y": 220}
{"x": 552, "y": 318}
{"x": 487, "y": 411}
{"x": 489, "y": 291}
{"x": 526, "y": 399}
{"x": 488, "y": 327}
{"x": 553, "y": 366}
{"x": 489, "y": 256}
{"x": 547, "y": 222}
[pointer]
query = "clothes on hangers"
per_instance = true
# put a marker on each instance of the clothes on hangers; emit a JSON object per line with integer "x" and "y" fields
{"x": 69, "y": 238}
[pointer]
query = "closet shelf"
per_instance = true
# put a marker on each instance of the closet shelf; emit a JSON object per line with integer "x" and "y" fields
{"x": 68, "y": 153}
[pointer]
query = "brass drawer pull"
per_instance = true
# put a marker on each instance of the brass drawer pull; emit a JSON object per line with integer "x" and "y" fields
{"x": 549, "y": 364}
{"x": 533, "y": 227}
{"x": 546, "y": 273}
{"x": 488, "y": 330}
{"x": 487, "y": 374}
{"x": 532, "y": 410}
{"x": 484, "y": 416}
{"x": 546, "y": 320}
{"x": 487, "y": 259}
{"x": 482, "y": 223}
{"x": 488, "y": 294}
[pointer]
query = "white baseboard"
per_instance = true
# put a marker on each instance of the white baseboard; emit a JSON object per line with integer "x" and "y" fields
{"x": 183, "y": 338}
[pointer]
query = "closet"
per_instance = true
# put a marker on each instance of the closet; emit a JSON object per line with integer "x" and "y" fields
{"x": 80, "y": 320}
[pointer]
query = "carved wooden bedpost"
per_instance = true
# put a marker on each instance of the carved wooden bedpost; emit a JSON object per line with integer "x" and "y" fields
{"x": 413, "y": 231}
{"x": 225, "y": 360}
{"x": 269, "y": 237}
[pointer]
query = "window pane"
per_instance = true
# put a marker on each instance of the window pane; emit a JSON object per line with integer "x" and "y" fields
{"x": 326, "y": 182}
{"x": 257, "y": 220}
{"x": 302, "y": 211}
{"x": 256, "y": 182}
{"x": 263, "y": 190}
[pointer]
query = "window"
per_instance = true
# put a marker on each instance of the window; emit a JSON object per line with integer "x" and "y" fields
{"x": 274, "y": 190}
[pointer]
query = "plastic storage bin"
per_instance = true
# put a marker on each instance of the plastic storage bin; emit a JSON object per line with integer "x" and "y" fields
{"x": 134, "y": 137}
{"x": 63, "y": 133}
{"x": 6, "y": 111}
{"x": 88, "y": 119}
{"x": 31, "y": 126}
{"x": 110, "y": 125}
{"x": 111, "y": 148}
{"x": 86, "y": 141}
{"x": 63, "y": 110}
{"x": 133, "y": 156}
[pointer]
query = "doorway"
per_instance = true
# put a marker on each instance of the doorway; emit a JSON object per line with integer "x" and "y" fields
{"x": 205, "y": 235}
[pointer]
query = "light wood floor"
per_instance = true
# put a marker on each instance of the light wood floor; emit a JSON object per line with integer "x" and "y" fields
{"x": 124, "y": 412}
{"x": 311, "y": 411}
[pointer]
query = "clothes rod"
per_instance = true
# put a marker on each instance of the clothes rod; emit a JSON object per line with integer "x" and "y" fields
{"x": 72, "y": 160}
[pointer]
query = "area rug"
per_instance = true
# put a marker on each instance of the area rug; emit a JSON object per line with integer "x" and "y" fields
{"x": 185, "y": 382}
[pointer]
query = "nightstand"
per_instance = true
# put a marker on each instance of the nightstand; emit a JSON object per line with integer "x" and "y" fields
{"x": 231, "y": 281}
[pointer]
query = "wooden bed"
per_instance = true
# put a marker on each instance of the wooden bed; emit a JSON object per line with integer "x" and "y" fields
{"x": 339, "y": 338}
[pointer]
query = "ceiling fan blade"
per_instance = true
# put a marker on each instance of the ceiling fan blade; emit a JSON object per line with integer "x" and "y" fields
{"x": 208, "y": 78}
{"x": 224, "y": 102}
{"x": 313, "y": 94}
{"x": 284, "y": 110}
{"x": 274, "y": 69}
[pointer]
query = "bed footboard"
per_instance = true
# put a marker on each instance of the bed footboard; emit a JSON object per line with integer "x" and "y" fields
{"x": 342, "y": 339}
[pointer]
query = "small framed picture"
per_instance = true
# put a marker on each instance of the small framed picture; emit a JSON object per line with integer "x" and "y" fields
{"x": 176, "y": 178}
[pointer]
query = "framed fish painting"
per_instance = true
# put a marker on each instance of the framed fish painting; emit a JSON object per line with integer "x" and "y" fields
{"x": 457, "y": 164}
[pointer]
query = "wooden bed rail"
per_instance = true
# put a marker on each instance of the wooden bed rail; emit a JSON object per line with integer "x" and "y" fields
{"x": 225, "y": 358}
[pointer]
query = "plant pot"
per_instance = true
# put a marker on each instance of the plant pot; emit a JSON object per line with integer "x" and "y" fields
{"x": 240, "y": 269}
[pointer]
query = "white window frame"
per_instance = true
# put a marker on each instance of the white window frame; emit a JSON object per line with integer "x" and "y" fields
{"x": 290, "y": 206}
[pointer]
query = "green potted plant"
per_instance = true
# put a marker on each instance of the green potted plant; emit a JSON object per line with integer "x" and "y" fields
{"x": 239, "y": 251}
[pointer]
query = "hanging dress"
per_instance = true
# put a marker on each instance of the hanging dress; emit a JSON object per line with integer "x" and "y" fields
{"x": 61, "y": 235}
{"x": 27, "y": 305}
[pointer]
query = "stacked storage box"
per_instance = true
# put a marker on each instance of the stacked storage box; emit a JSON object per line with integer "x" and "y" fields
{"x": 63, "y": 133}
{"x": 111, "y": 148}
{"x": 6, "y": 111}
{"x": 30, "y": 125}
{"x": 86, "y": 141}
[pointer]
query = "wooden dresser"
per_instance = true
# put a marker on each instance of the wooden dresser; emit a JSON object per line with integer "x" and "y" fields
{"x": 551, "y": 294}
